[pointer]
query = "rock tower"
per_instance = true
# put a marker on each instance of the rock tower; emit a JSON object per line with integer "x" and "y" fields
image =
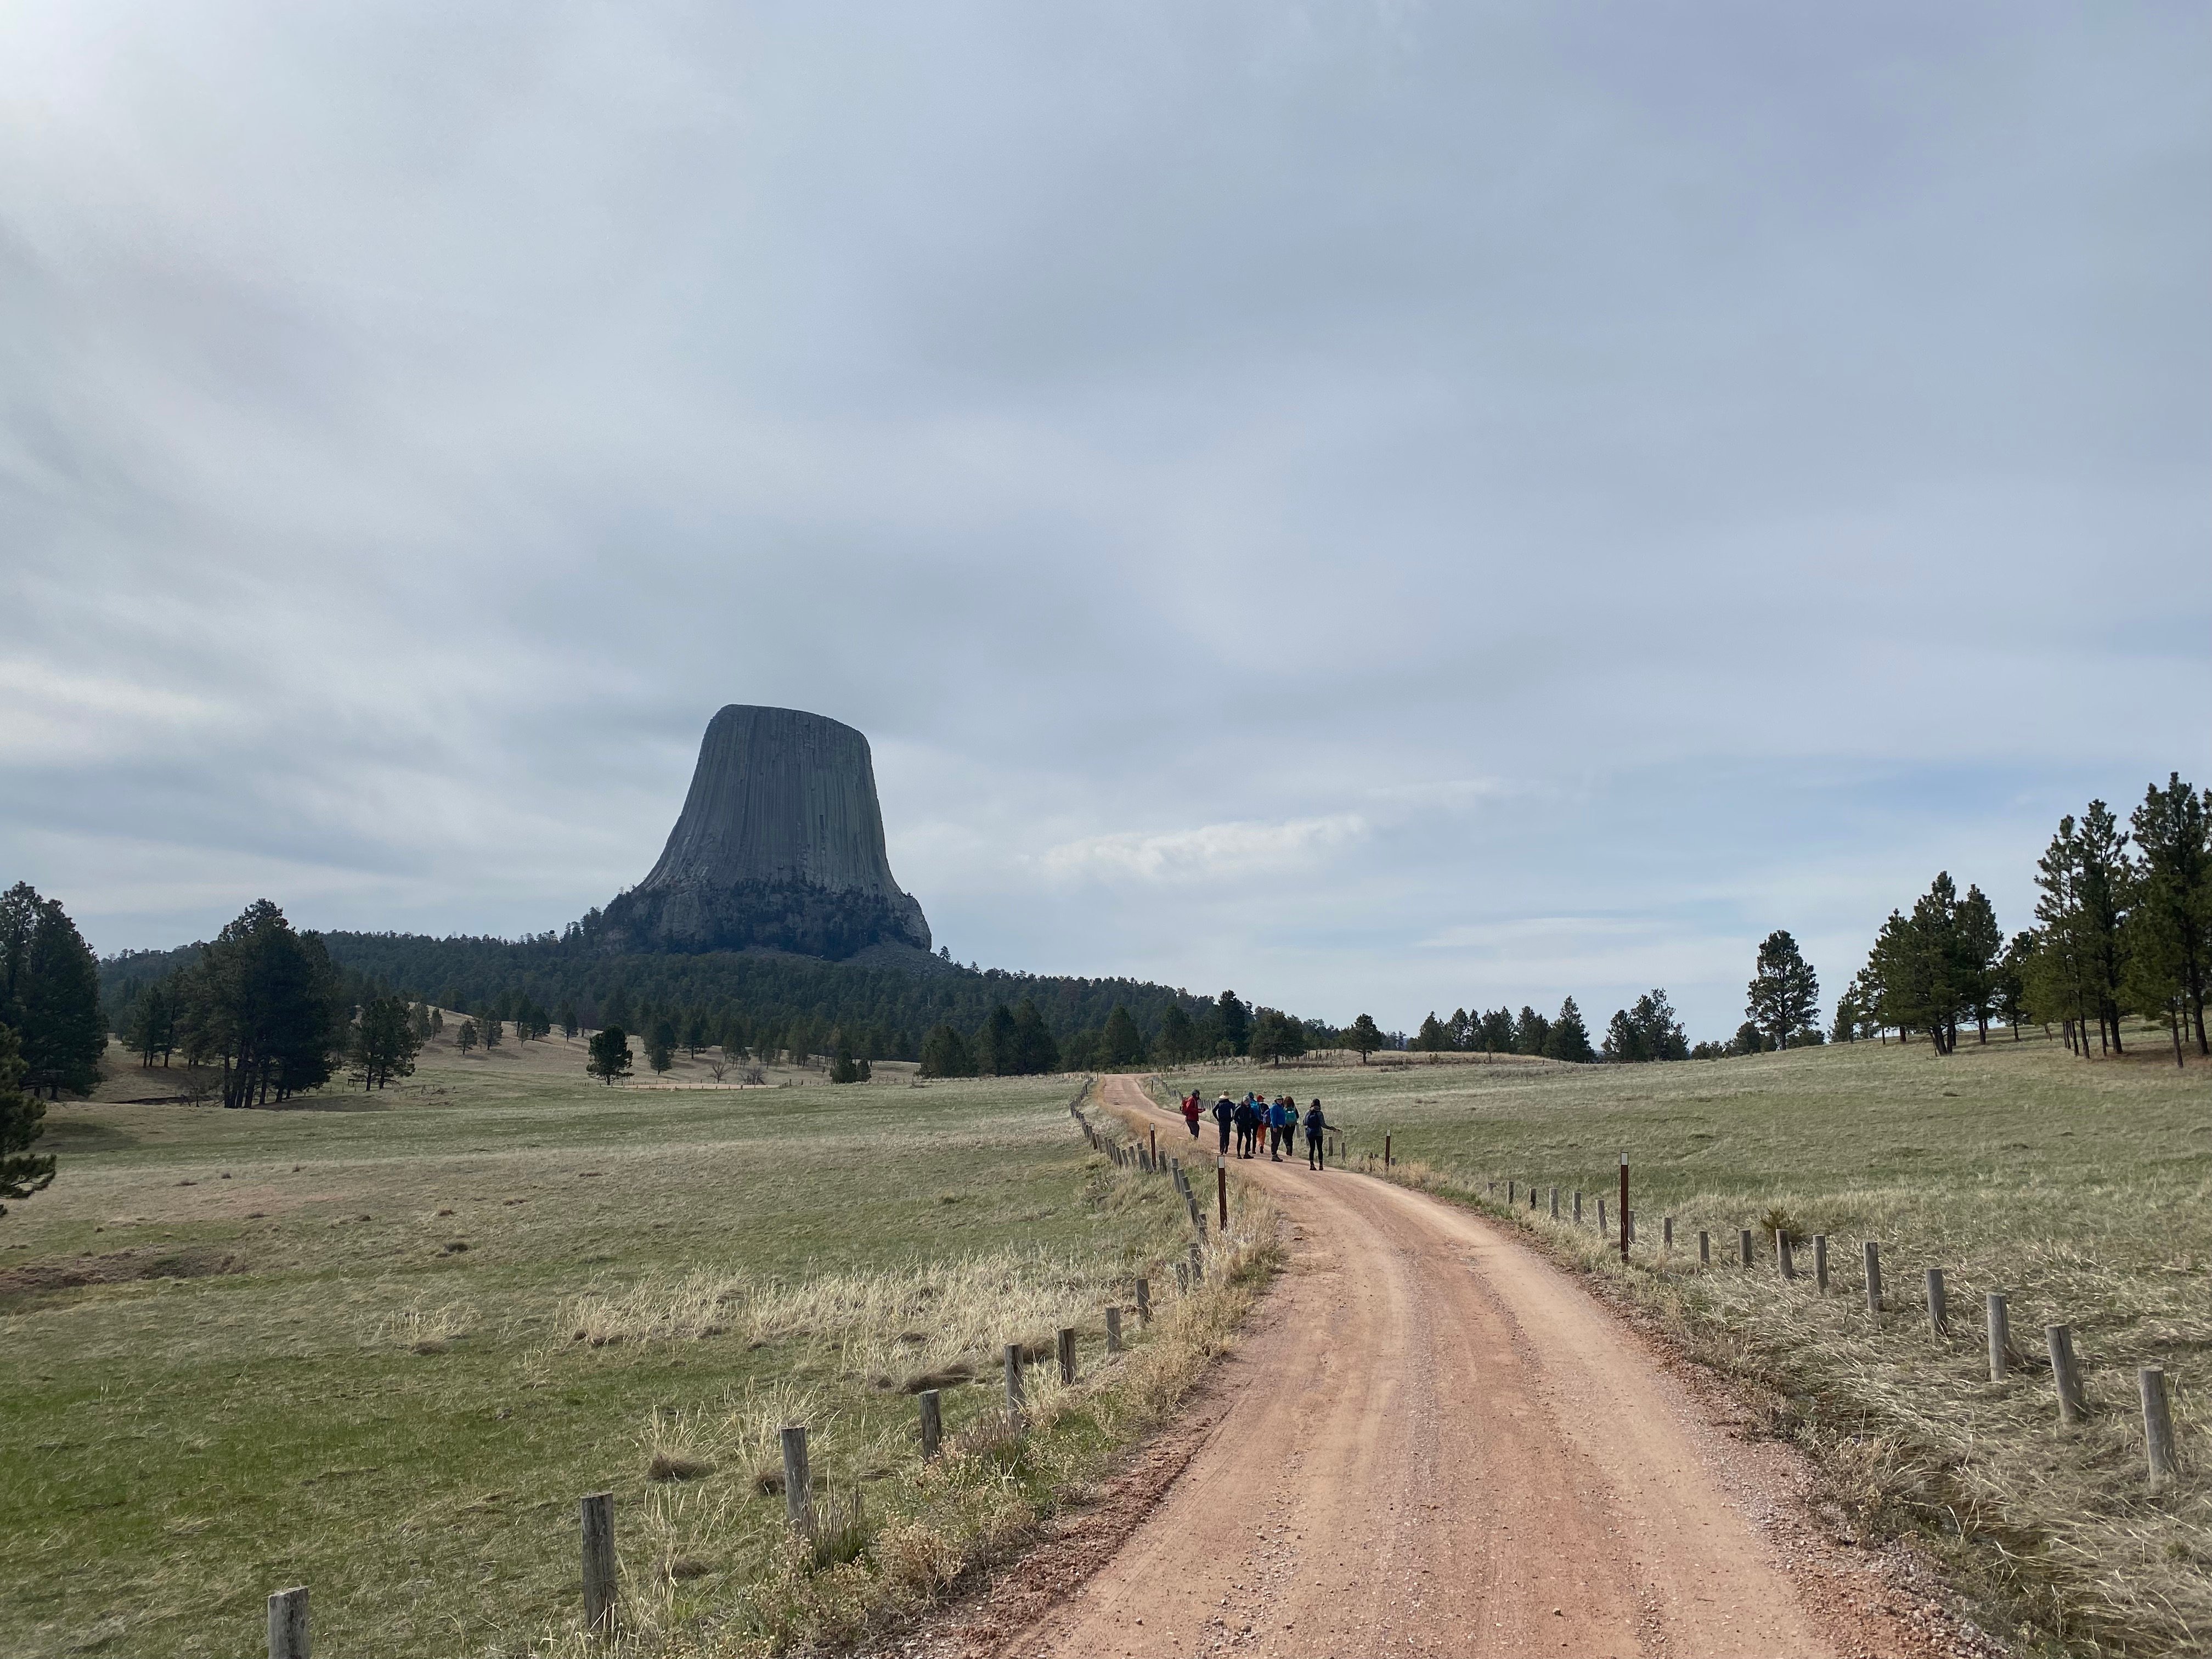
{"x": 780, "y": 847}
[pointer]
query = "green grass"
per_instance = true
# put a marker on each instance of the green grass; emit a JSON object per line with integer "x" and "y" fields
{"x": 339, "y": 1346}
{"x": 2083, "y": 1190}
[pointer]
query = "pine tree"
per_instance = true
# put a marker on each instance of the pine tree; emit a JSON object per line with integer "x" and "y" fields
{"x": 265, "y": 1000}
{"x": 1236, "y": 1022}
{"x": 1364, "y": 1038}
{"x": 384, "y": 1043}
{"x": 661, "y": 1044}
{"x": 946, "y": 1053}
{"x": 1120, "y": 1044}
{"x": 2173, "y": 898}
{"x": 1178, "y": 1039}
{"x": 997, "y": 1054}
{"x": 1785, "y": 994}
{"x": 1033, "y": 1044}
{"x": 609, "y": 1052}
{"x": 1432, "y": 1036}
{"x": 1529, "y": 1035}
{"x": 1569, "y": 1038}
{"x": 1623, "y": 1043}
{"x": 465, "y": 1038}
{"x": 50, "y": 993}
{"x": 570, "y": 1024}
{"x": 22, "y": 1172}
{"x": 1657, "y": 1027}
{"x": 1981, "y": 943}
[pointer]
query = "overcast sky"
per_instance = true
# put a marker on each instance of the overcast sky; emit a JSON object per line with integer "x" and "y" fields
{"x": 1384, "y": 507}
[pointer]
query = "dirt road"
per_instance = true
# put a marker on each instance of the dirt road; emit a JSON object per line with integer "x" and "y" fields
{"x": 1435, "y": 1443}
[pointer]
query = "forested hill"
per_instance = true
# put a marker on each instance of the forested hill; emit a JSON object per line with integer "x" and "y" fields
{"x": 804, "y": 999}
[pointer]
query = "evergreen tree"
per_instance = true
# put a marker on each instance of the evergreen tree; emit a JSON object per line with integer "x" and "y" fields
{"x": 491, "y": 1030}
{"x": 694, "y": 1032}
{"x": 1623, "y": 1043}
{"x": 22, "y": 1172}
{"x": 384, "y": 1043}
{"x": 265, "y": 1000}
{"x": 1529, "y": 1035}
{"x": 465, "y": 1038}
{"x": 1434, "y": 1035}
{"x": 609, "y": 1052}
{"x": 843, "y": 1068}
{"x": 1657, "y": 1027}
{"x": 661, "y": 1044}
{"x": 50, "y": 993}
{"x": 2174, "y": 899}
{"x": 946, "y": 1053}
{"x": 997, "y": 1052}
{"x": 1848, "y": 1015}
{"x": 1364, "y": 1038}
{"x": 1236, "y": 1022}
{"x": 1981, "y": 946}
{"x": 1569, "y": 1038}
{"x": 1785, "y": 994}
{"x": 150, "y": 1027}
{"x": 570, "y": 1024}
{"x": 618, "y": 1010}
{"x": 2009, "y": 982}
{"x": 1178, "y": 1039}
{"x": 1120, "y": 1044}
{"x": 1033, "y": 1044}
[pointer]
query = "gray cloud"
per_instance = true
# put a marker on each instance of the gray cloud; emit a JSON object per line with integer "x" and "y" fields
{"x": 1375, "y": 505}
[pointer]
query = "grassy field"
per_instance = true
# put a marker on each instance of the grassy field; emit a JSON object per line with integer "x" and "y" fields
{"x": 2083, "y": 1190}
{"x": 381, "y": 1344}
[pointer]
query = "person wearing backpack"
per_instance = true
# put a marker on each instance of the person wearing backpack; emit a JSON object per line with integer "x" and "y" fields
{"x": 1281, "y": 1118}
{"x": 1316, "y": 1147}
{"x": 1248, "y": 1127}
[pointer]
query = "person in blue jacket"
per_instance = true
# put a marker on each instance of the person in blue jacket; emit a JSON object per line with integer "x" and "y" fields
{"x": 1282, "y": 1123}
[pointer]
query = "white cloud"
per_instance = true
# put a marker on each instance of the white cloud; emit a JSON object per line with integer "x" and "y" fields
{"x": 1212, "y": 852}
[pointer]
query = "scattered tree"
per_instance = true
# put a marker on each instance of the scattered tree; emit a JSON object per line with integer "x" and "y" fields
{"x": 1568, "y": 1039}
{"x": 1785, "y": 994}
{"x": 1364, "y": 1038}
{"x": 384, "y": 1043}
{"x": 610, "y": 1054}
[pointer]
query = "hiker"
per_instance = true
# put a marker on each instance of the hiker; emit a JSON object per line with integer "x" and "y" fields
{"x": 1282, "y": 1119}
{"x": 1316, "y": 1148}
{"x": 1248, "y": 1122}
{"x": 1225, "y": 1113}
{"x": 1192, "y": 1112}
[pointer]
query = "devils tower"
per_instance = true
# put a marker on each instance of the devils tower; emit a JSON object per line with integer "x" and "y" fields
{"x": 780, "y": 847}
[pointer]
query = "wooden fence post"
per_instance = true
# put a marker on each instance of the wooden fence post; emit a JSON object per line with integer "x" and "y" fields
{"x": 2000, "y": 1333}
{"x": 1873, "y": 1276}
{"x": 1705, "y": 1248}
{"x": 1743, "y": 1247}
{"x": 1821, "y": 1261}
{"x": 288, "y": 1624}
{"x": 1221, "y": 1188}
{"x": 1182, "y": 1277}
{"x": 1067, "y": 1347}
{"x": 1939, "y": 1309}
{"x": 1600, "y": 1219}
{"x": 1386, "y": 1151}
{"x": 1511, "y": 1188}
{"x": 1144, "y": 1302}
{"x": 1578, "y": 1209}
{"x": 1666, "y": 1233}
{"x": 2065, "y": 1375}
{"x": 1113, "y": 1330}
{"x": 598, "y": 1515}
{"x": 2158, "y": 1430}
{"x": 798, "y": 1478}
{"x": 1782, "y": 1260}
{"x": 933, "y": 1423}
{"x": 1555, "y": 1203}
{"x": 1197, "y": 1266}
{"x": 1013, "y": 1379}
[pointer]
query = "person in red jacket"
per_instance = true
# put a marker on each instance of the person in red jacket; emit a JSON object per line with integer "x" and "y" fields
{"x": 1192, "y": 1112}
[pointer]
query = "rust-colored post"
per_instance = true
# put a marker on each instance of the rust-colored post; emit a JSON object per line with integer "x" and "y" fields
{"x": 1624, "y": 1206}
{"x": 1221, "y": 1188}
{"x": 1386, "y": 1151}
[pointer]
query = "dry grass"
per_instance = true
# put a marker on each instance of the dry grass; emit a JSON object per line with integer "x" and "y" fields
{"x": 893, "y": 1533}
{"x": 2083, "y": 1192}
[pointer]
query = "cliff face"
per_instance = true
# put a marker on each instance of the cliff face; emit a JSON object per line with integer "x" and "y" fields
{"x": 781, "y": 845}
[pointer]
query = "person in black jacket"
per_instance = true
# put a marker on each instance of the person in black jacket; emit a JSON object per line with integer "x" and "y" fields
{"x": 1316, "y": 1147}
{"x": 1225, "y": 1113}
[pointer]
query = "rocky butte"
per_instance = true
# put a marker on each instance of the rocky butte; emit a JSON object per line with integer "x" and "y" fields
{"x": 779, "y": 848}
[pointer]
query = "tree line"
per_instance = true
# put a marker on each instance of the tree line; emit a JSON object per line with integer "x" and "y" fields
{"x": 2123, "y": 926}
